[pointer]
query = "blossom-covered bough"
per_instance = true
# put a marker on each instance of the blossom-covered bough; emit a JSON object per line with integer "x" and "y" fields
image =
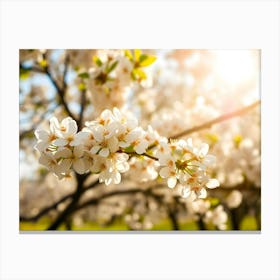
{"x": 105, "y": 145}
{"x": 130, "y": 150}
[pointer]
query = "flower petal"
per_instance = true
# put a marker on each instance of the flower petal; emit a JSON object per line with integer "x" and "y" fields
{"x": 70, "y": 125}
{"x": 64, "y": 166}
{"x": 113, "y": 144}
{"x": 203, "y": 150}
{"x": 171, "y": 182}
{"x": 164, "y": 172}
{"x": 116, "y": 178}
{"x": 60, "y": 142}
{"x": 98, "y": 133}
{"x": 185, "y": 192}
{"x": 212, "y": 184}
{"x": 104, "y": 152}
{"x": 202, "y": 193}
{"x": 64, "y": 153}
{"x": 41, "y": 146}
{"x": 79, "y": 166}
{"x": 95, "y": 149}
{"x": 78, "y": 151}
{"x": 41, "y": 135}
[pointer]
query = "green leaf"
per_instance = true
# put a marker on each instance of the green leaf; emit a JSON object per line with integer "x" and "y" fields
{"x": 84, "y": 75}
{"x": 147, "y": 60}
{"x": 128, "y": 54}
{"x": 143, "y": 57}
{"x": 129, "y": 149}
{"x": 97, "y": 61}
{"x": 133, "y": 76}
{"x": 112, "y": 67}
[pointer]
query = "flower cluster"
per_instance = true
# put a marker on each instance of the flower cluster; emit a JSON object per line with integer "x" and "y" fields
{"x": 109, "y": 145}
{"x": 181, "y": 162}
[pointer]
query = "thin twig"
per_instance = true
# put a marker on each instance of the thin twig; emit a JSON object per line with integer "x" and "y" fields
{"x": 217, "y": 120}
{"x": 60, "y": 91}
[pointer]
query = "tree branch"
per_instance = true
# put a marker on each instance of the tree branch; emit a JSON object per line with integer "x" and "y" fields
{"x": 83, "y": 103}
{"x": 60, "y": 91}
{"x": 63, "y": 216}
{"x": 217, "y": 120}
{"x": 45, "y": 210}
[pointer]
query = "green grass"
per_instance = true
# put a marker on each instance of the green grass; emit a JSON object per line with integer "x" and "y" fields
{"x": 248, "y": 223}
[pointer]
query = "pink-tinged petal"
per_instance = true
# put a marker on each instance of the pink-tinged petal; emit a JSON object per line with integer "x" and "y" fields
{"x": 78, "y": 151}
{"x": 212, "y": 184}
{"x": 64, "y": 153}
{"x": 79, "y": 166}
{"x": 104, "y": 152}
{"x": 171, "y": 182}
{"x": 42, "y": 135}
{"x": 164, "y": 172}
{"x": 60, "y": 142}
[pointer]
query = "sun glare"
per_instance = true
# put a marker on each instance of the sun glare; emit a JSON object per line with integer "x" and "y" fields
{"x": 236, "y": 66}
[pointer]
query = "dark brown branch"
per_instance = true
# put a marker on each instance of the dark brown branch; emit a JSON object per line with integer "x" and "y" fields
{"x": 60, "y": 91}
{"x": 217, "y": 120}
{"x": 173, "y": 218}
{"x": 83, "y": 103}
{"x": 64, "y": 215}
{"x": 135, "y": 154}
{"x": 45, "y": 210}
{"x": 95, "y": 201}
